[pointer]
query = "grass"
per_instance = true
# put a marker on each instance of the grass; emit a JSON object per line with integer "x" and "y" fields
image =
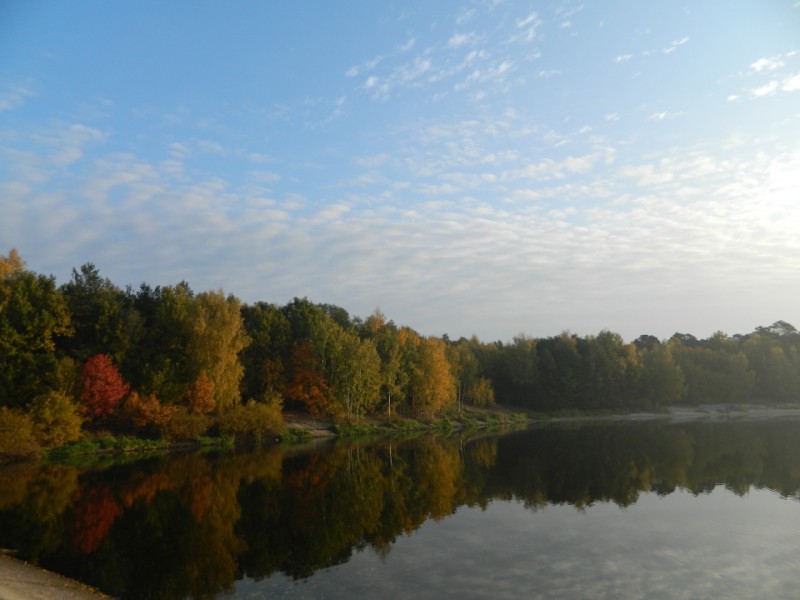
{"x": 89, "y": 449}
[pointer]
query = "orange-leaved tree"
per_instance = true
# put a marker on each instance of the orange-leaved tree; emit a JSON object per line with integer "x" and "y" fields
{"x": 102, "y": 388}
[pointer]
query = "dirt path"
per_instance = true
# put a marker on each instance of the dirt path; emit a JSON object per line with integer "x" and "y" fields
{"x": 22, "y": 581}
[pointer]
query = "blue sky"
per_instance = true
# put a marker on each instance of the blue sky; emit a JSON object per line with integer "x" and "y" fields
{"x": 487, "y": 167}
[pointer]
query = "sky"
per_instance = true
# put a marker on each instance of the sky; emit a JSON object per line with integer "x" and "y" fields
{"x": 487, "y": 167}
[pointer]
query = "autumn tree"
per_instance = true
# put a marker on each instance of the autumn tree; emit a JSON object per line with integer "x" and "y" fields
{"x": 308, "y": 385}
{"x": 217, "y": 336}
{"x": 11, "y": 264}
{"x": 201, "y": 394}
{"x": 315, "y": 342}
{"x": 102, "y": 388}
{"x": 432, "y": 386}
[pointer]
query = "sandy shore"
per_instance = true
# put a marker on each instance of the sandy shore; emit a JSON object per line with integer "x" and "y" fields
{"x": 23, "y": 581}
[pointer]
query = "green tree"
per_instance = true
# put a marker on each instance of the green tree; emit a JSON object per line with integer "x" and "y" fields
{"x": 719, "y": 374}
{"x": 269, "y": 349}
{"x": 104, "y": 319}
{"x": 32, "y": 315}
{"x": 609, "y": 371}
{"x": 161, "y": 362}
{"x": 385, "y": 337}
{"x": 661, "y": 381}
{"x": 356, "y": 375}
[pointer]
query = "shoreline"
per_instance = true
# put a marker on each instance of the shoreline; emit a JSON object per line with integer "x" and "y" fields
{"x": 20, "y": 580}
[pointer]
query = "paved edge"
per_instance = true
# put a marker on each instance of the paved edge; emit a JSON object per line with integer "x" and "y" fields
{"x": 23, "y": 581}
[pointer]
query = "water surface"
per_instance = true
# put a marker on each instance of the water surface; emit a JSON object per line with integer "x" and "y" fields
{"x": 617, "y": 510}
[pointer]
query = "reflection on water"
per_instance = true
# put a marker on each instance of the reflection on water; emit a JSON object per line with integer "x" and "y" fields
{"x": 616, "y": 510}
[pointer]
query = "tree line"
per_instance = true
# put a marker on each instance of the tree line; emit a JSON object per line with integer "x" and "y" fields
{"x": 166, "y": 361}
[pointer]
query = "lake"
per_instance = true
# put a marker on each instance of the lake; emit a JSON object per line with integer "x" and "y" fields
{"x": 596, "y": 510}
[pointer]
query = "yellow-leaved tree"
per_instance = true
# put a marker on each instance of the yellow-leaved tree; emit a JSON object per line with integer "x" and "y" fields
{"x": 217, "y": 337}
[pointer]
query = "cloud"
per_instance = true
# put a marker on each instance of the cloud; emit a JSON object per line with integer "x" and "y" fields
{"x": 68, "y": 143}
{"x": 373, "y": 161}
{"x": 664, "y": 116}
{"x": 767, "y": 64}
{"x": 767, "y": 89}
{"x": 791, "y": 83}
{"x": 14, "y": 96}
{"x": 551, "y": 228}
{"x": 494, "y": 72}
{"x": 548, "y": 74}
{"x": 457, "y": 40}
{"x": 623, "y": 58}
{"x": 675, "y": 44}
{"x": 526, "y": 28}
{"x": 407, "y": 46}
{"x": 465, "y": 15}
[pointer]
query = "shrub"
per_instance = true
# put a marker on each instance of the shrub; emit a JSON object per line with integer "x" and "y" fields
{"x": 255, "y": 419}
{"x": 145, "y": 412}
{"x": 17, "y": 439}
{"x": 56, "y": 419}
{"x": 184, "y": 425}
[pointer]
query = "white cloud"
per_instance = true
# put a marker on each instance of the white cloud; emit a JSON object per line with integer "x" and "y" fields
{"x": 675, "y": 44}
{"x": 525, "y": 21}
{"x": 373, "y": 161}
{"x": 767, "y": 89}
{"x": 461, "y": 39}
{"x": 527, "y": 28}
{"x": 68, "y": 143}
{"x": 547, "y": 74}
{"x": 407, "y": 46}
{"x": 664, "y": 115}
{"x": 465, "y": 15}
{"x": 14, "y": 96}
{"x": 766, "y": 64}
{"x": 623, "y": 58}
{"x": 791, "y": 83}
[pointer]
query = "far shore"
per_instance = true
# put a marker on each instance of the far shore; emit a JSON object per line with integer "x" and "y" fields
{"x": 320, "y": 428}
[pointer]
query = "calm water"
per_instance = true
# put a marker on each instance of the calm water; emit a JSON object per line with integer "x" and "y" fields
{"x": 603, "y": 511}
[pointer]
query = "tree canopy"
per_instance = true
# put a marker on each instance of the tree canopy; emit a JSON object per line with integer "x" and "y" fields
{"x": 177, "y": 358}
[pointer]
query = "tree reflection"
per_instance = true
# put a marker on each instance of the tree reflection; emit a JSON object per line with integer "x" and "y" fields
{"x": 192, "y": 525}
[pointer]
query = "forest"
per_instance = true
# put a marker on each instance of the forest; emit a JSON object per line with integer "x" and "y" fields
{"x": 167, "y": 362}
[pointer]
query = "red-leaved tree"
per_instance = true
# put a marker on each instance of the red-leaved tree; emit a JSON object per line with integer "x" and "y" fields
{"x": 102, "y": 388}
